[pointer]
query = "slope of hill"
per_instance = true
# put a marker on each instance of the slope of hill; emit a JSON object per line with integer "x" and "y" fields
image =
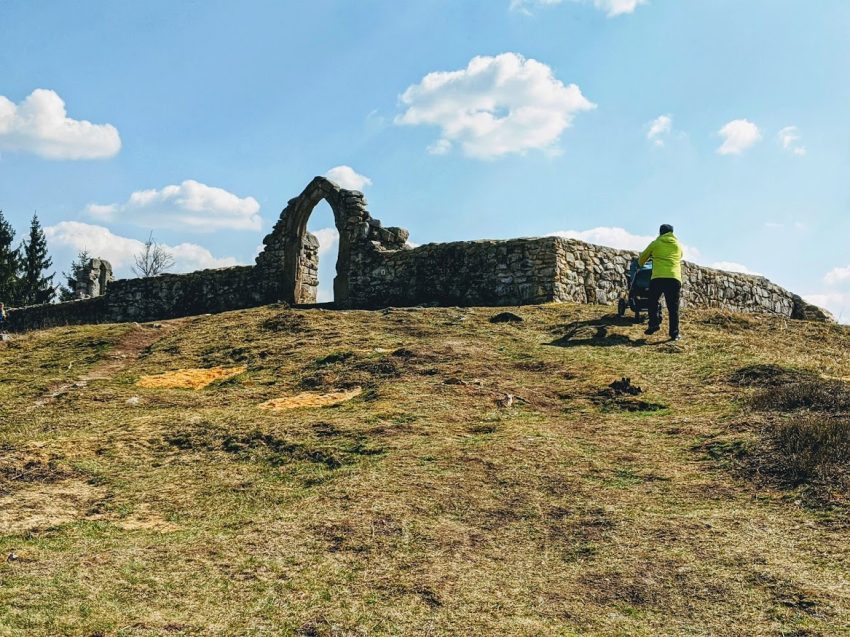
{"x": 437, "y": 473}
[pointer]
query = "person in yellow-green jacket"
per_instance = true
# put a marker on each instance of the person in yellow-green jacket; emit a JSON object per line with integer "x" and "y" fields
{"x": 666, "y": 255}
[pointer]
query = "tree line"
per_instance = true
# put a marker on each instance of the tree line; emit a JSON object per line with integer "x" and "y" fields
{"x": 23, "y": 278}
{"x": 22, "y": 269}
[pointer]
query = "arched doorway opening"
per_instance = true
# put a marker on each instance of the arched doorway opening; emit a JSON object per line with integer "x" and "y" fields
{"x": 322, "y": 225}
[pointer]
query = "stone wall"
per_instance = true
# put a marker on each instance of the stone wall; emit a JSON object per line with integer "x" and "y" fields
{"x": 149, "y": 299}
{"x": 526, "y": 271}
{"x": 376, "y": 268}
{"x": 595, "y": 274}
{"x": 515, "y": 272}
{"x": 51, "y": 315}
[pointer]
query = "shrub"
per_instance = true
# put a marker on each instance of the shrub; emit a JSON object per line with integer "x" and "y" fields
{"x": 811, "y": 450}
{"x": 816, "y": 395}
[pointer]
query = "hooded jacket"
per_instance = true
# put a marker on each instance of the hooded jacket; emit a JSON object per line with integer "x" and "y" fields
{"x": 666, "y": 255}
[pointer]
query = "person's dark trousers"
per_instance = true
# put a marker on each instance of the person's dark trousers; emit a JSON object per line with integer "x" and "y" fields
{"x": 671, "y": 289}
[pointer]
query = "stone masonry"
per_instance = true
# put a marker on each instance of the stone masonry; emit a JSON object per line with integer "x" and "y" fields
{"x": 93, "y": 279}
{"x": 377, "y": 268}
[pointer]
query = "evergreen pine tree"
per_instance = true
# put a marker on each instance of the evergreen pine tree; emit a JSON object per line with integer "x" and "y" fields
{"x": 35, "y": 288}
{"x": 9, "y": 265}
{"x": 66, "y": 292}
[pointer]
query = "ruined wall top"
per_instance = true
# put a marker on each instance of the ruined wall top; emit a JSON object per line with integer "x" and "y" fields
{"x": 376, "y": 268}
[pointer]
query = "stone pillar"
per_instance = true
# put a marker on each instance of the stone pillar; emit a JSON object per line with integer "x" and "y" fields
{"x": 308, "y": 265}
{"x": 93, "y": 279}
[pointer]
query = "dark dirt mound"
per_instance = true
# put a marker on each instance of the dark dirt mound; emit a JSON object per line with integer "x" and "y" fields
{"x": 829, "y": 396}
{"x": 506, "y": 317}
{"x": 768, "y": 376}
{"x": 622, "y": 387}
{"x": 260, "y": 447}
{"x": 287, "y": 322}
{"x": 619, "y": 396}
{"x": 16, "y": 470}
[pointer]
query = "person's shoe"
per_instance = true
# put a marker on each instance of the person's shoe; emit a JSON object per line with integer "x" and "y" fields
{"x": 651, "y": 330}
{"x": 676, "y": 338}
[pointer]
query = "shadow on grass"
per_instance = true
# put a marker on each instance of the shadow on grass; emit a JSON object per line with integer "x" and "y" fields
{"x": 596, "y": 333}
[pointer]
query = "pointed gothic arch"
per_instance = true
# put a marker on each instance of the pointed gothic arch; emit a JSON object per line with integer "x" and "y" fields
{"x": 291, "y": 253}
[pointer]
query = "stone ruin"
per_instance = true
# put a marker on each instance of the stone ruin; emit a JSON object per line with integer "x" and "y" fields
{"x": 376, "y": 267}
{"x": 92, "y": 279}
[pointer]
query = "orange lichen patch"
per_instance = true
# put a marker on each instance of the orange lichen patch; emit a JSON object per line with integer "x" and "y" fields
{"x": 189, "y": 378}
{"x": 311, "y": 399}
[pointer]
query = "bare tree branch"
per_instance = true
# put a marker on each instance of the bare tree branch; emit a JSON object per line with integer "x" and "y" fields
{"x": 152, "y": 260}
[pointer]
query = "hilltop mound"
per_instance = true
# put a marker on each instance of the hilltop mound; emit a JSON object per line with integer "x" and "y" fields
{"x": 432, "y": 472}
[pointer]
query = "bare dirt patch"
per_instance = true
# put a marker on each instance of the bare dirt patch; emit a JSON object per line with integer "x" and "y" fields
{"x": 189, "y": 378}
{"x": 40, "y": 505}
{"x": 143, "y": 518}
{"x": 128, "y": 349}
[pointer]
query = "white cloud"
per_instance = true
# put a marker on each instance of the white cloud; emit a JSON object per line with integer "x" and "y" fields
{"x": 836, "y": 296}
{"x": 789, "y": 138}
{"x": 731, "y": 266}
{"x": 328, "y": 244}
{"x": 440, "y": 147}
{"x": 346, "y": 177}
{"x": 837, "y": 275}
{"x": 612, "y": 8}
{"x": 777, "y": 225}
{"x": 191, "y": 205}
{"x": 67, "y": 238}
{"x": 40, "y": 125}
{"x": 620, "y": 238}
{"x": 837, "y": 303}
{"x": 659, "y": 129}
{"x": 495, "y": 106}
{"x": 738, "y": 135}
{"x": 328, "y": 239}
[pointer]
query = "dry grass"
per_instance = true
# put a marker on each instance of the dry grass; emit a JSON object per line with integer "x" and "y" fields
{"x": 420, "y": 507}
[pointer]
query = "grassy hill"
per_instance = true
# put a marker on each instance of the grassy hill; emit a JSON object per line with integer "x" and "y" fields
{"x": 488, "y": 479}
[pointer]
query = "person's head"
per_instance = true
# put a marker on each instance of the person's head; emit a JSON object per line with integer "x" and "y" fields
{"x": 665, "y": 228}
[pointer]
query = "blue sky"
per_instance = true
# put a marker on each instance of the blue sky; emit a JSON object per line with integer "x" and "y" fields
{"x": 470, "y": 119}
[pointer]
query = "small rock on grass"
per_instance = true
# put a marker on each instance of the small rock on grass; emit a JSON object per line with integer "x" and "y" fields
{"x": 133, "y": 401}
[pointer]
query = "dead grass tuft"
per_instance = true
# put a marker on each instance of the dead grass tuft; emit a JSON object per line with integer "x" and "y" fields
{"x": 727, "y": 321}
{"x": 285, "y": 322}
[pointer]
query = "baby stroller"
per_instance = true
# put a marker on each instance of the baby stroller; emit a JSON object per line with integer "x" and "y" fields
{"x": 637, "y": 299}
